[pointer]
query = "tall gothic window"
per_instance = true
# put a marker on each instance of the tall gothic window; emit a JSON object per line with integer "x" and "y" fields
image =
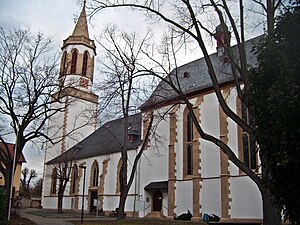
{"x": 84, "y": 63}
{"x": 118, "y": 185}
{"x": 74, "y": 61}
{"x": 247, "y": 144}
{"x": 74, "y": 179}
{"x": 188, "y": 144}
{"x": 63, "y": 68}
{"x": 95, "y": 174}
{"x": 53, "y": 181}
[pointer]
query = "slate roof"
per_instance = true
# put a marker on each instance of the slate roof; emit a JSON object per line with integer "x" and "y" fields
{"x": 106, "y": 140}
{"x": 81, "y": 27}
{"x": 193, "y": 77}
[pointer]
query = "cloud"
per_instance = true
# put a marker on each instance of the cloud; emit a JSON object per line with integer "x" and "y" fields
{"x": 34, "y": 158}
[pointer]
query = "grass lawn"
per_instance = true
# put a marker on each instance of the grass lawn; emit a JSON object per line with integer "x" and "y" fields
{"x": 141, "y": 222}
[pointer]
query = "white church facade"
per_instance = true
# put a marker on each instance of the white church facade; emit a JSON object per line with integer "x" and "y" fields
{"x": 176, "y": 173}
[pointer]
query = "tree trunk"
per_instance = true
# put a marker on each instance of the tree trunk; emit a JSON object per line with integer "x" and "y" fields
{"x": 270, "y": 16}
{"x": 123, "y": 189}
{"x": 59, "y": 203}
{"x": 270, "y": 211}
{"x": 121, "y": 209}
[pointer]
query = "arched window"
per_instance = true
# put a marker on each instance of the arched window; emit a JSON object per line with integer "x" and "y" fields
{"x": 53, "y": 181}
{"x": 119, "y": 167}
{"x": 249, "y": 149}
{"x": 247, "y": 144}
{"x": 84, "y": 63}
{"x": 63, "y": 68}
{"x": 74, "y": 179}
{"x": 188, "y": 144}
{"x": 95, "y": 174}
{"x": 74, "y": 61}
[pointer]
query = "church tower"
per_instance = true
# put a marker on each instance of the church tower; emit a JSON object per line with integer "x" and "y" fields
{"x": 77, "y": 63}
{"x": 78, "y": 119}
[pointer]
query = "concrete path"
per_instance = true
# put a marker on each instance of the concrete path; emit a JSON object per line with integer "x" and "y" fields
{"x": 51, "y": 217}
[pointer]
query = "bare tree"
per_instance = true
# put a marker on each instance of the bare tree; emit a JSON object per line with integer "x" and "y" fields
{"x": 187, "y": 22}
{"x": 27, "y": 84}
{"x": 123, "y": 87}
{"x": 37, "y": 188}
{"x": 26, "y": 180}
{"x": 60, "y": 176}
{"x": 64, "y": 170}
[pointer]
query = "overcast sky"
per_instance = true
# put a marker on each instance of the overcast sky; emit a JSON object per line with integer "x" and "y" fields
{"x": 56, "y": 18}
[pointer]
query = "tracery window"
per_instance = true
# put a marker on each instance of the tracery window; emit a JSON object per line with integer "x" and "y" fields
{"x": 74, "y": 179}
{"x": 84, "y": 63}
{"x": 63, "y": 68}
{"x": 53, "y": 181}
{"x": 247, "y": 144}
{"x": 118, "y": 183}
{"x": 188, "y": 144}
{"x": 74, "y": 61}
{"x": 95, "y": 174}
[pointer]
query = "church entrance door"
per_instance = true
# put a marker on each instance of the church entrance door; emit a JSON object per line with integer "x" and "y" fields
{"x": 157, "y": 201}
{"x": 93, "y": 203}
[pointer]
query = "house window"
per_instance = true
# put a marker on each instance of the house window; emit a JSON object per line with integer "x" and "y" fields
{"x": 188, "y": 144}
{"x": 74, "y": 61}
{"x": 247, "y": 143}
{"x": 84, "y": 63}
{"x": 53, "y": 181}
{"x": 74, "y": 179}
{"x": 95, "y": 174}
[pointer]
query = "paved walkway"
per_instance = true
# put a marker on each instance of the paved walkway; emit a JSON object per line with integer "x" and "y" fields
{"x": 51, "y": 217}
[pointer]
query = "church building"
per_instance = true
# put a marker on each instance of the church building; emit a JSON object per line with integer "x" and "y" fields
{"x": 178, "y": 171}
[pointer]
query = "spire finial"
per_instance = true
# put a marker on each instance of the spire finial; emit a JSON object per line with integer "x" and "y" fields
{"x": 81, "y": 27}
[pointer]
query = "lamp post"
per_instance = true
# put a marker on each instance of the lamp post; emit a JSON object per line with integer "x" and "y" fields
{"x": 82, "y": 206}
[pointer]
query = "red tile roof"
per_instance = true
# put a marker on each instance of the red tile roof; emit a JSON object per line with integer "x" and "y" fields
{"x": 11, "y": 149}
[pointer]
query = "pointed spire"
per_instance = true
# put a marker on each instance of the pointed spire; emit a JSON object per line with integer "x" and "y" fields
{"x": 81, "y": 27}
{"x": 80, "y": 34}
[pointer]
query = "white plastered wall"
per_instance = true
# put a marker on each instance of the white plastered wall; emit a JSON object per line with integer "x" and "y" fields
{"x": 246, "y": 199}
{"x": 80, "y": 121}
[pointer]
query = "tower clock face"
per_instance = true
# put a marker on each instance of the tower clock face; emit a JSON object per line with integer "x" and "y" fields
{"x": 84, "y": 82}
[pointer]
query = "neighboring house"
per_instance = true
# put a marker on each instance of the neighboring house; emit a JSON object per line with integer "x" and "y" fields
{"x": 178, "y": 171}
{"x": 18, "y": 170}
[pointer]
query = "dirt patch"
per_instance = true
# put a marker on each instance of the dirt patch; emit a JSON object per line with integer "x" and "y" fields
{"x": 18, "y": 220}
